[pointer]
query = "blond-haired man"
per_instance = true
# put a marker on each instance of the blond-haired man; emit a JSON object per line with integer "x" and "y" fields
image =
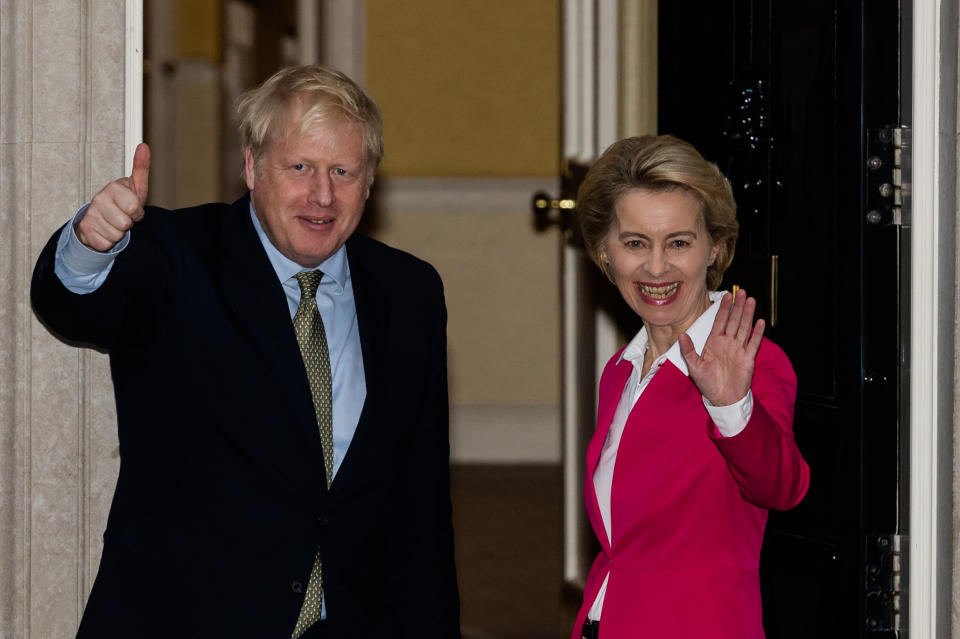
{"x": 281, "y": 391}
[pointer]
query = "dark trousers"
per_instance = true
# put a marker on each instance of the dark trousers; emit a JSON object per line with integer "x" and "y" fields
{"x": 591, "y": 630}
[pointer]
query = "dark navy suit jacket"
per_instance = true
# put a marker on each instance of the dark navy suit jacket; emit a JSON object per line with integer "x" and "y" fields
{"x": 221, "y": 502}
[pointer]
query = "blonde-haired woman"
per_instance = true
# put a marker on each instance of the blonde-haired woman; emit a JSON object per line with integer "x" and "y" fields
{"x": 694, "y": 439}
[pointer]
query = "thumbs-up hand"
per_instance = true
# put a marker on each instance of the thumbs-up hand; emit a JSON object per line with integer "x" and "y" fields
{"x": 116, "y": 207}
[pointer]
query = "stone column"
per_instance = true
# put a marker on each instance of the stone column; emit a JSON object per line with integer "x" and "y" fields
{"x": 61, "y": 139}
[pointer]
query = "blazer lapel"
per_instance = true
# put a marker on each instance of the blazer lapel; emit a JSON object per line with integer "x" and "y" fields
{"x": 611, "y": 388}
{"x": 373, "y": 318}
{"x": 252, "y": 292}
{"x": 609, "y": 398}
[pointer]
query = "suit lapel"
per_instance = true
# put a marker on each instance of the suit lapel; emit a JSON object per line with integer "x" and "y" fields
{"x": 252, "y": 292}
{"x": 373, "y": 317}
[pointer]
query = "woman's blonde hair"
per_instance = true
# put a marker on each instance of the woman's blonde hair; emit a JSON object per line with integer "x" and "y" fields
{"x": 326, "y": 95}
{"x": 660, "y": 163}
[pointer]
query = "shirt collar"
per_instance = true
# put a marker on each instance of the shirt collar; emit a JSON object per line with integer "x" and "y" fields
{"x": 699, "y": 331}
{"x": 335, "y": 267}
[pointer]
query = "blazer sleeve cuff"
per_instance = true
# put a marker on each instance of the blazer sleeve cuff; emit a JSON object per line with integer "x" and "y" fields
{"x": 730, "y": 420}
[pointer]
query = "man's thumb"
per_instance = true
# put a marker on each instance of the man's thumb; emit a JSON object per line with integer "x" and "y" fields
{"x": 141, "y": 171}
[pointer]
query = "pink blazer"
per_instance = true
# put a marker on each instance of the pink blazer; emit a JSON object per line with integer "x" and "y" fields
{"x": 688, "y": 506}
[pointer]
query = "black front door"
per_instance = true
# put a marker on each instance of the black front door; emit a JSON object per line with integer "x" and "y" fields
{"x": 796, "y": 101}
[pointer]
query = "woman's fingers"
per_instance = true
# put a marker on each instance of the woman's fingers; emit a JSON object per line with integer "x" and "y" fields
{"x": 746, "y": 320}
{"x": 736, "y": 313}
{"x": 735, "y": 317}
{"x": 720, "y": 321}
{"x": 724, "y": 369}
{"x": 754, "y": 344}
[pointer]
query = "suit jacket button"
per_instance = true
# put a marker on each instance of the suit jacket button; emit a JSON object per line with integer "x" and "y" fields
{"x": 296, "y": 587}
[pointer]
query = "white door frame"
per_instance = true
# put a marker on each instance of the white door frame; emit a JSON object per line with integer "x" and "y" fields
{"x": 602, "y": 41}
{"x": 933, "y": 316}
{"x": 590, "y": 99}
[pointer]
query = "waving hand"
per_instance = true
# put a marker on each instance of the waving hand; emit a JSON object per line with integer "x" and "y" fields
{"x": 724, "y": 370}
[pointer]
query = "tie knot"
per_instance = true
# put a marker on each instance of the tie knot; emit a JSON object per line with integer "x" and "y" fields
{"x": 309, "y": 281}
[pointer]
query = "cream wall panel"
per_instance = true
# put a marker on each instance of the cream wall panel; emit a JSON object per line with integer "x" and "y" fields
{"x": 504, "y": 434}
{"x": 501, "y": 284}
{"x": 15, "y": 42}
{"x": 103, "y": 96}
{"x": 53, "y": 488}
{"x": 56, "y": 46}
{"x": 467, "y": 88}
{"x": 15, "y": 367}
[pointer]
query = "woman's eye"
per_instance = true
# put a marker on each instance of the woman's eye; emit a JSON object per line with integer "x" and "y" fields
{"x": 634, "y": 244}
{"x": 679, "y": 244}
{"x": 339, "y": 171}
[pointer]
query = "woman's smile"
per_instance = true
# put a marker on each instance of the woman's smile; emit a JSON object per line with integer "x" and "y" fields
{"x": 658, "y": 294}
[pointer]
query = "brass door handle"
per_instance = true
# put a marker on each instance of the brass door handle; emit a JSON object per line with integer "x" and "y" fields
{"x": 543, "y": 202}
{"x": 548, "y": 211}
{"x": 561, "y": 211}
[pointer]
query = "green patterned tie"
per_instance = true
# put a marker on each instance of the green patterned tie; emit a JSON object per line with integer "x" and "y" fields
{"x": 316, "y": 358}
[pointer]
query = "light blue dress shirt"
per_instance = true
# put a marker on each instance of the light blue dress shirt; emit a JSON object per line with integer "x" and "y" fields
{"x": 82, "y": 270}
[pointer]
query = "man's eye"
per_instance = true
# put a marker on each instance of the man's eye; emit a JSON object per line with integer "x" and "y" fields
{"x": 339, "y": 171}
{"x": 299, "y": 166}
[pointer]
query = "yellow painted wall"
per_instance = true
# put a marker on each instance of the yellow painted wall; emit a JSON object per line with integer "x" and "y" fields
{"x": 199, "y": 31}
{"x": 455, "y": 76}
{"x": 197, "y": 101}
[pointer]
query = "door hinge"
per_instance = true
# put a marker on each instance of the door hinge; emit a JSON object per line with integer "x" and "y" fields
{"x": 888, "y": 177}
{"x": 882, "y": 586}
